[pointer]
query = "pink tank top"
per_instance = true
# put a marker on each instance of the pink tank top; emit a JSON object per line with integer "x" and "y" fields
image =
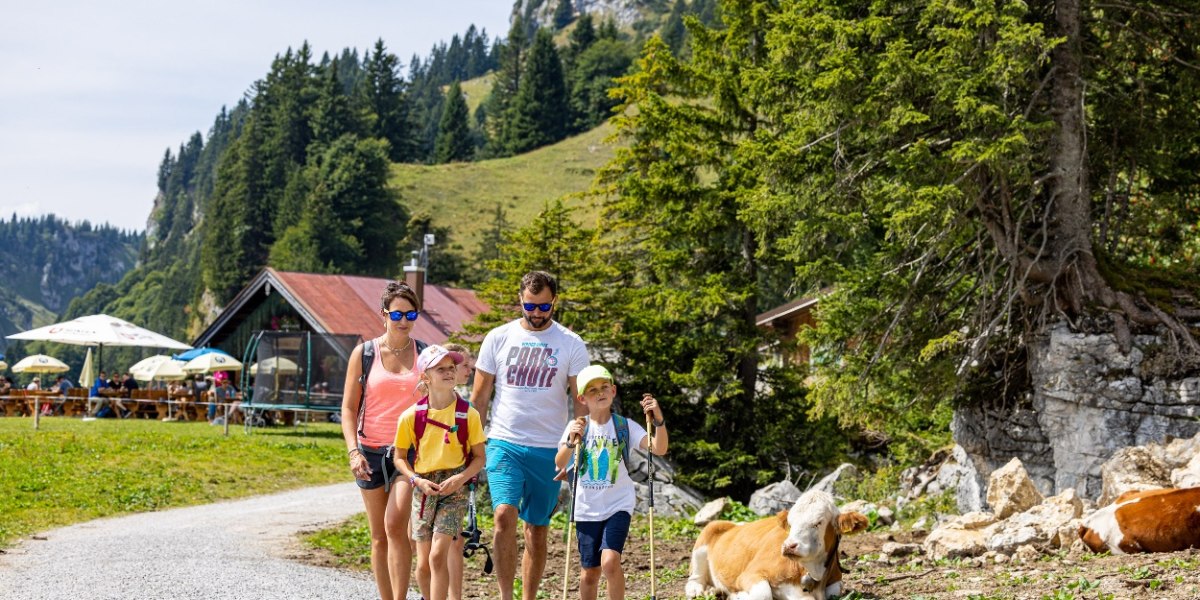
{"x": 387, "y": 396}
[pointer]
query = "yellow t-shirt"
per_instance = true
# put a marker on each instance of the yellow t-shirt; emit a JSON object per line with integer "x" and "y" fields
{"x": 435, "y": 453}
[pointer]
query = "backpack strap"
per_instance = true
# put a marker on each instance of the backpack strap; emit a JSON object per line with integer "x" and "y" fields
{"x": 622, "y": 426}
{"x": 462, "y": 410}
{"x": 368, "y": 360}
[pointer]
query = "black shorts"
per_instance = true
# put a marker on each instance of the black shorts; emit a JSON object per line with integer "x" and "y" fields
{"x": 597, "y": 536}
{"x": 380, "y": 461}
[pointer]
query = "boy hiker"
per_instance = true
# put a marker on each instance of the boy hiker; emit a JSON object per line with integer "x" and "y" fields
{"x": 445, "y": 438}
{"x": 605, "y": 496}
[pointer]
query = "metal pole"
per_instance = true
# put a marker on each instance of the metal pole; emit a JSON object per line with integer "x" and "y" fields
{"x": 650, "y": 471}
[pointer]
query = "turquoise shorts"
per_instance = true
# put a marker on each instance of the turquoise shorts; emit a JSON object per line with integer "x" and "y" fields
{"x": 523, "y": 476}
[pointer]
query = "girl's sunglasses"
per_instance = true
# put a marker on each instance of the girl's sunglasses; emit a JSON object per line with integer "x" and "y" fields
{"x": 529, "y": 306}
{"x": 396, "y": 315}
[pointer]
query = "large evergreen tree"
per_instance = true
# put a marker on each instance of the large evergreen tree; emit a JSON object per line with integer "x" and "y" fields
{"x": 454, "y": 141}
{"x": 539, "y": 114}
{"x": 382, "y": 96}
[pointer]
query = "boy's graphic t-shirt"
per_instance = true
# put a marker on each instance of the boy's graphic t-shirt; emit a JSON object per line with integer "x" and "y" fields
{"x": 605, "y": 488}
{"x": 530, "y": 405}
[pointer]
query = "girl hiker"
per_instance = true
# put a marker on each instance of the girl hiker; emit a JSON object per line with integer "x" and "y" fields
{"x": 445, "y": 440}
{"x": 605, "y": 495}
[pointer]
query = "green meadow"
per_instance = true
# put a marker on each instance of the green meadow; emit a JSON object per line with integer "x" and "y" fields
{"x": 71, "y": 471}
{"x": 463, "y": 196}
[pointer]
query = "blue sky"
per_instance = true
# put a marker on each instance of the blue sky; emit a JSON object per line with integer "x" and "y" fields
{"x": 92, "y": 93}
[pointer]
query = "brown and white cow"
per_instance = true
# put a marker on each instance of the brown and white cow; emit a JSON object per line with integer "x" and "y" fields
{"x": 790, "y": 556}
{"x": 1164, "y": 520}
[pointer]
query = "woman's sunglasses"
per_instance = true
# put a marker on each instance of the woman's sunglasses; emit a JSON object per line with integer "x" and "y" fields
{"x": 529, "y": 306}
{"x": 396, "y": 315}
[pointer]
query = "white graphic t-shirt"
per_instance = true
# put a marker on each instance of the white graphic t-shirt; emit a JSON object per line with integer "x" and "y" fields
{"x": 605, "y": 487}
{"x": 531, "y": 404}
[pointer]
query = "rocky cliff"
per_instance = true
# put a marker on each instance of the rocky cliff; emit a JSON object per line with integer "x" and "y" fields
{"x": 1088, "y": 400}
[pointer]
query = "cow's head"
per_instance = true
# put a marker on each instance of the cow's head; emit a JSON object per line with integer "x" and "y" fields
{"x": 813, "y": 528}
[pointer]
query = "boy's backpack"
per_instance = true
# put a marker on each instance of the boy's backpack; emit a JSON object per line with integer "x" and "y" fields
{"x": 368, "y": 360}
{"x": 460, "y": 428}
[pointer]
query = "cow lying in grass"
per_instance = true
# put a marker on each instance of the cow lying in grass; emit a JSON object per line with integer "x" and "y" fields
{"x": 790, "y": 556}
{"x": 1165, "y": 520}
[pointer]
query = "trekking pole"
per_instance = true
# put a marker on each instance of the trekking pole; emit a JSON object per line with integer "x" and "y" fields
{"x": 571, "y": 521}
{"x": 650, "y": 471}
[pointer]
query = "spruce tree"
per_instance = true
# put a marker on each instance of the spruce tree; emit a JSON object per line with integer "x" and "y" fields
{"x": 540, "y": 112}
{"x": 564, "y": 14}
{"x": 454, "y": 132}
{"x": 507, "y": 84}
{"x": 382, "y": 96}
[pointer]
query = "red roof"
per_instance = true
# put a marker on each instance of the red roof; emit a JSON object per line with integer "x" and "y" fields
{"x": 350, "y": 304}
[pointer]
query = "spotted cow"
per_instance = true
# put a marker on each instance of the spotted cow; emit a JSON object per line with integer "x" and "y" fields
{"x": 791, "y": 556}
{"x": 1164, "y": 520}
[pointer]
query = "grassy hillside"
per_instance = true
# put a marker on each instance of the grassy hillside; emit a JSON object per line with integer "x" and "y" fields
{"x": 476, "y": 90}
{"x": 463, "y": 196}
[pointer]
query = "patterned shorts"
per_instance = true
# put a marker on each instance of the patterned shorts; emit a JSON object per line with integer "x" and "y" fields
{"x": 438, "y": 514}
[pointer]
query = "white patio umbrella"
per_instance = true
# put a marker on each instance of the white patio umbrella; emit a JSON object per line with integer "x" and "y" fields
{"x": 101, "y": 331}
{"x": 87, "y": 373}
{"x": 211, "y": 363}
{"x": 3, "y": 365}
{"x": 277, "y": 365}
{"x": 158, "y": 367}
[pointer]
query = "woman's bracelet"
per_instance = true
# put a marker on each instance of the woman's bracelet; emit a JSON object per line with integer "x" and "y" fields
{"x": 351, "y": 452}
{"x": 660, "y": 423}
{"x": 413, "y": 480}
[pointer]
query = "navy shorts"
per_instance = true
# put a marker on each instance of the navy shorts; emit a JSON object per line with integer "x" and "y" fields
{"x": 380, "y": 464}
{"x": 597, "y": 536}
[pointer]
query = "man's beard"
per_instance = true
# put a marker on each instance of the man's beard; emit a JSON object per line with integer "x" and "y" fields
{"x": 537, "y": 322}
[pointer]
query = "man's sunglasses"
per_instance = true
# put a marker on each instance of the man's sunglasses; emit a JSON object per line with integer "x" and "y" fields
{"x": 529, "y": 306}
{"x": 396, "y": 315}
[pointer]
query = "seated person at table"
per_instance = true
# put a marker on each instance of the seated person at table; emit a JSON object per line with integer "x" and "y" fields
{"x": 5, "y": 385}
{"x": 34, "y": 385}
{"x": 62, "y": 384}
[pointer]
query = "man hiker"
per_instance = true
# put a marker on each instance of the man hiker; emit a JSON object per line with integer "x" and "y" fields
{"x": 530, "y": 364}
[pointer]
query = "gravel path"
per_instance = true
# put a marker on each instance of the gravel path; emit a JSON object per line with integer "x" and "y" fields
{"x": 232, "y": 549}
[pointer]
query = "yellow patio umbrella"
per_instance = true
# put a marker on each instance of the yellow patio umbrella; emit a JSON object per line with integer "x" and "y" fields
{"x": 39, "y": 363}
{"x": 3, "y": 365}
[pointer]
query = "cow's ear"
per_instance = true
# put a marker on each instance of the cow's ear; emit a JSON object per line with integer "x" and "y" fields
{"x": 782, "y": 516}
{"x": 851, "y": 522}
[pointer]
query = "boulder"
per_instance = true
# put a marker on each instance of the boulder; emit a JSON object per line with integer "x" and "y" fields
{"x": 886, "y": 516}
{"x": 1178, "y": 452}
{"x": 826, "y": 483}
{"x": 1188, "y": 475}
{"x": 670, "y": 499}
{"x": 1135, "y": 468}
{"x": 778, "y": 496}
{"x": 1027, "y": 554}
{"x": 710, "y": 512}
{"x": 897, "y": 550}
{"x": 949, "y": 542}
{"x": 1043, "y": 524}
{"x": 1010, "y": 490}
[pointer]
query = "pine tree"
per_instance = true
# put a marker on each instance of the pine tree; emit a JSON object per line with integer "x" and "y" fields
{"x": 382, "y": 95}
{"x": 539, "y": 114}
{"x": 673, "y": 32}
{"x": 507, "y": 84}
{"x": 454, "y": 133}
{"x": 564, "y": 13}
